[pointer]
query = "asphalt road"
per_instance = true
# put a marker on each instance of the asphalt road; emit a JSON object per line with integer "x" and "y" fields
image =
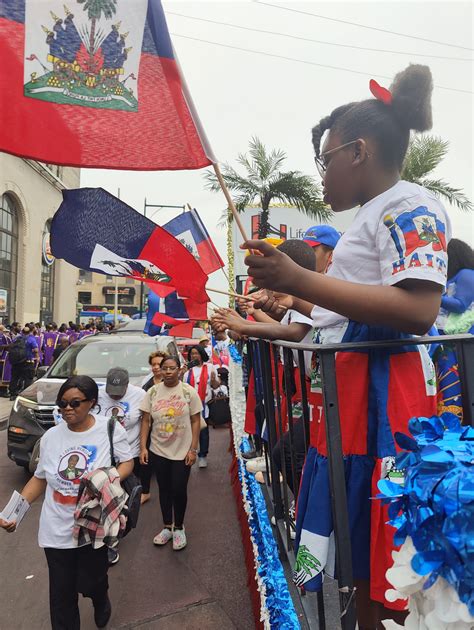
{"x": 202, "y": 587}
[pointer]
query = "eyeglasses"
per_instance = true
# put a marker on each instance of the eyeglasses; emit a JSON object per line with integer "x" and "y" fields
{"x": 321, "y": 165}
{"x": 74, "y": 404}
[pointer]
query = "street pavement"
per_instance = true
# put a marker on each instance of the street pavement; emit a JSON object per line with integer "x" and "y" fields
{"x": 201, "y": 587}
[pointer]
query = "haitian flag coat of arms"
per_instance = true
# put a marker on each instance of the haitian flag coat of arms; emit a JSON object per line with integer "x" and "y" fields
{"x": 95, "y": 83}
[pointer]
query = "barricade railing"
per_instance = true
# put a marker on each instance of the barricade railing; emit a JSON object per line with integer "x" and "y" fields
{"x": 264, "y": 358}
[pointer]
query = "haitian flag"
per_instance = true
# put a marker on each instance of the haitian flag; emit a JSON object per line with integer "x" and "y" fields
{"x": 95, "y": 84}
{"x": 191, "y": 232}
{"x": 94, "y": 230}
{"x": 175, "y": 312}
{"x": 414, "y": 229}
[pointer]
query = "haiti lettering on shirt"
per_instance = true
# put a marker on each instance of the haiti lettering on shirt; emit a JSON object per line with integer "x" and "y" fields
{"x": 413, "y": 230}
{"x": 73, "y": 463}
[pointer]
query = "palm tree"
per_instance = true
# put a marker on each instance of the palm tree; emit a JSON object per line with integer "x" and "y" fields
{"x": 94, "y": 9}
{"x": 265, "y": 182}
{"x": 424, "y": 154}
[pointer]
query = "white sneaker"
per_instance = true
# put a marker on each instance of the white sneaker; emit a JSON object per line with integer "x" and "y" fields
{"x": 202, "y": 462}
{"x": 179, "y": 539}
{"x": 163, "y": 537}
{"x": 255, "y": 465}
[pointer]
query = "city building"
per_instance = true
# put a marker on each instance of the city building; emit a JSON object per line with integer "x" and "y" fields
{"x": 96, "y": 292}
{"x": 33, "y": 285}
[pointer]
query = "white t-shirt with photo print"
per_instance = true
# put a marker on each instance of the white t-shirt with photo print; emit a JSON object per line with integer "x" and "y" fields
{"x": 400, "y": 234}
{"x": 65, "y": 456}
{"x": 128, "y": 413}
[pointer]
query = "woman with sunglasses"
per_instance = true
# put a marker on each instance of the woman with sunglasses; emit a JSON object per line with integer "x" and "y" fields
{"x": 155, "y": 360}
{"x": 173, "y": 409}
{"x": 78, "y": 445}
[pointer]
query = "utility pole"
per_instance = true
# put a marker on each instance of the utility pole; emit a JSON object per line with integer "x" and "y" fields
{"x": 159, "y": 207}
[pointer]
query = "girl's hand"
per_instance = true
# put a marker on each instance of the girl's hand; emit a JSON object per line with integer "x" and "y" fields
{"x": 144, "y": 457}
{"x": 190, "y": 458}
{"x": 226, "y": 318}
{"x": 8, "y": 526}
{"x": 275, "y": 303}
{"x": 270, "y": 268}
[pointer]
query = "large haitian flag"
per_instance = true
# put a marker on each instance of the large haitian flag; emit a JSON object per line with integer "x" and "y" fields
{"x": 94, "y": 230}
{"x": 188, "y": 228}
{"x": 95, "y": 84}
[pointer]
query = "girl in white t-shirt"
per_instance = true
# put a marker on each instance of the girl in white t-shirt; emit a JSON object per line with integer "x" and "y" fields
{"x": 203, "y": 377}
{"x": 72, "y": 448}
{"x": 386, "y": 279}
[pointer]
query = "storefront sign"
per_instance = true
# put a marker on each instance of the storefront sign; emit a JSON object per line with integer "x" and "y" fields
{"x": 48, "y": 258}
{"x": 3, "y": 301}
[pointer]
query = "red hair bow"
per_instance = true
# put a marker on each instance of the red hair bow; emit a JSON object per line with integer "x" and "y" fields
{"x": 380, "y": 93}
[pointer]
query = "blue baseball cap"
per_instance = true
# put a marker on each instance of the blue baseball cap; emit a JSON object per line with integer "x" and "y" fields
{"x": 321, "y": 235}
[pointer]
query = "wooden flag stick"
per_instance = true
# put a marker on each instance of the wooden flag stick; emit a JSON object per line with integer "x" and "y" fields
{"x": 231, "y": 294}
{"x": 230, "y": 201}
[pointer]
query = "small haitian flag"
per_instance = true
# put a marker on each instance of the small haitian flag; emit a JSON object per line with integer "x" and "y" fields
{"x": 191, "y": 232}
{"x": 174, "y": 311}
{"x": 94, "y": 230}
{"x": 416, "y": 228}
{"x": 95, "y": 84}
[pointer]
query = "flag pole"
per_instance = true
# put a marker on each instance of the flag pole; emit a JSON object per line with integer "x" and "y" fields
{"x": 230, "y": 201}
{"x": 231, "y": 294}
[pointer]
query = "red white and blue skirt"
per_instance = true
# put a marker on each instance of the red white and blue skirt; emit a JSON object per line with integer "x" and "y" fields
{"x": 378, "y": 392}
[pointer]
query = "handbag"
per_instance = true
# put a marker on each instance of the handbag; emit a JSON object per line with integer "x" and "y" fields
{"x": 219, "y": 411}
{"x": 131, "y": 485}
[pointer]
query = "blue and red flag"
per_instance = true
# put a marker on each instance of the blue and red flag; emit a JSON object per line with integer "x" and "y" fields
{"x": 95, "y": 84}
{"x": 189, "y": 229}
{"x": 94, "y": 230}
{"x": 178, "y": 314}
{"x": 414, "y": 229}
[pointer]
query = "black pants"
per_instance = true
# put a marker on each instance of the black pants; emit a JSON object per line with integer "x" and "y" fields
{"x": 144, "y": 473}
{"x": 22, "y": 377}
{"x": 172, "y": 477}
{"x": 73, "y": 571}
{"x": 300, "y": 453}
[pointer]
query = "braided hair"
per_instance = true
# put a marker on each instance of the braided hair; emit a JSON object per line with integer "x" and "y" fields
{"x": 388, "y": 125}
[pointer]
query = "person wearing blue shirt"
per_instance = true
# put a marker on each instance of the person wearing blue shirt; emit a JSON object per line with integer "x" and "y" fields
{"x": 456, "y": 316}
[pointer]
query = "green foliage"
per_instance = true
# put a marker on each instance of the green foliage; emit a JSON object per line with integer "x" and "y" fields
{"x": 424, "y": 154}
{"x": 264, "y": 182}
{"x": 305, "y": 561}
{"x": 95, "y": 8}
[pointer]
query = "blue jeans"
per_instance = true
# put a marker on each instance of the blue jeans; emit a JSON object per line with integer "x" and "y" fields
{"x": 204, "y": 443}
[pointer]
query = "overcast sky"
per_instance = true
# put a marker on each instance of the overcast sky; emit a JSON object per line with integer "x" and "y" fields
{"x": 240, "y": 94}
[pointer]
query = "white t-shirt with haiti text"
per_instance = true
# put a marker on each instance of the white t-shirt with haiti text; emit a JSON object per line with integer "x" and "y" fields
{"x": 128, "y": 413}
{"x": 171, "y": 409}
{"x": 65, "y": 456}
{"x": 400, "y": 234}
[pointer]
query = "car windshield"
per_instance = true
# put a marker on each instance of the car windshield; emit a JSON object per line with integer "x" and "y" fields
{"x": 96, "y": 359}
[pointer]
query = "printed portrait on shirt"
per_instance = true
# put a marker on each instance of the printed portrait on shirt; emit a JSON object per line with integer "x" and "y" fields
{"x": 72, "y": 466}
{"x": 118, "y": 410}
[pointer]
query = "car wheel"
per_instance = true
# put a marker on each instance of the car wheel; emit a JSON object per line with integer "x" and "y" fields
{"x": 33, "y": 463}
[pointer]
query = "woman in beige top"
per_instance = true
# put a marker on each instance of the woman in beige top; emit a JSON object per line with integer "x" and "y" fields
{"x": 172, "y": 410}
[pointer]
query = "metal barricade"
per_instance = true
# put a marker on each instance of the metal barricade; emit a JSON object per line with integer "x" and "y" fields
{"x": 265, "y": 358}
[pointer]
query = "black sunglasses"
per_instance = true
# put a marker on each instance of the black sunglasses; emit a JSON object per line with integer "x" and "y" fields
{"x": 74, "y": 404}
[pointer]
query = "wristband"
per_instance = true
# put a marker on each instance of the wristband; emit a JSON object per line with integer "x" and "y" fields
{"x": 193, "y": 450}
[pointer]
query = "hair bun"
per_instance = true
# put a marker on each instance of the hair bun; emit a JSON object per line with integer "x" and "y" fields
{"x": 411, "y": 97}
